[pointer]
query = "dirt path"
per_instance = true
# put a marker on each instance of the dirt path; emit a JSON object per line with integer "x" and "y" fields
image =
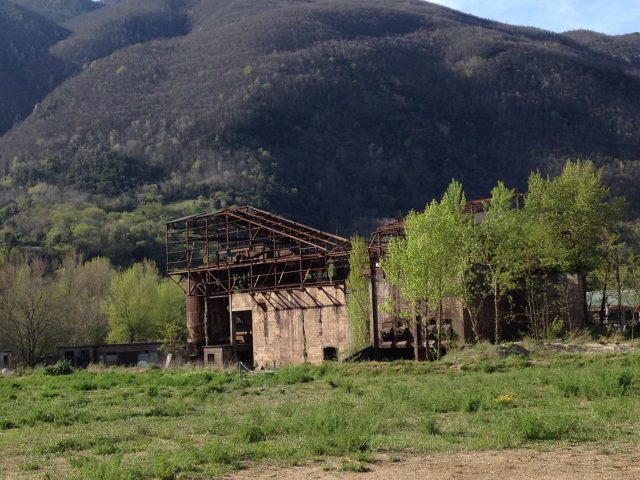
{"x": 560, "y": 463}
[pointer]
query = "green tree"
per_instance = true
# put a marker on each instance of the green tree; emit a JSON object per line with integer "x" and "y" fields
{"x": 28, "y": 309}
{"x": 474, "y": 286}
{"x": 141, "y": 306}
{"x": 633, "y": 282}
{"x": 497, "y": 234}
{"x": 358, "y": 303}
{"x": 538, "y": 253}
{"x": 428, "y": 264}
{"x": 81, "y": 289}
{"x": 579, "y": 208}
{"x": 170, "y": 312}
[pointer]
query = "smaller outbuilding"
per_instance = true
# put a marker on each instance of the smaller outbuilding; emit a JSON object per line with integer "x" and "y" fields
{"x": 609, "y": 308}
{"x": 125, "y": 354}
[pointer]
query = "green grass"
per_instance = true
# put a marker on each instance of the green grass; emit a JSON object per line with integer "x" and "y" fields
{"x": 195, "y": 423}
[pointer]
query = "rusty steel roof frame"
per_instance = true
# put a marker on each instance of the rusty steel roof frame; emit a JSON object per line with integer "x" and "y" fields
{"x": 245, "y": 249}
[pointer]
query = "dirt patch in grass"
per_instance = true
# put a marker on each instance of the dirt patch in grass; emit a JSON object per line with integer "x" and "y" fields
{"x": 579, "y": 462}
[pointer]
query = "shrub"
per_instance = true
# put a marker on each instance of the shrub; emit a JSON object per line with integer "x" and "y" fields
{"x": 625, "y": 379}
{"x": 253, "y": 433}
{"x": 556, "y": 329}
{"x": 429, "y": 425}
{"x": 6, "y": 424}
{"x": 63, "y": 367}
{"x": 472, "y": 404}
{"x": 355, "y": 467}
{"x": 220, "y": 452}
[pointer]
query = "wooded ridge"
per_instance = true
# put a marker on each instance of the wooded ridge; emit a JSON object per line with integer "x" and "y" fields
{"x": 117, "y": 116}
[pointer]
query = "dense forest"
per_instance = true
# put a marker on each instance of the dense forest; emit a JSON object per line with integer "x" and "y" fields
{"x": 116, "y": 116}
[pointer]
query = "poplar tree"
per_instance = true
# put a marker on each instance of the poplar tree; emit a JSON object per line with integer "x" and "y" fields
{"x": 497, "y": 237}
{"x": 538, "y": 253}
{"x": 358, "y": 309}
{"x": 426, "y": 266}
{"x": 579, "y": 215}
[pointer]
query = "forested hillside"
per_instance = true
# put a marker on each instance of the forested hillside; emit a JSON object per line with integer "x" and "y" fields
{"x": 333, "y": 112}
{"x": 27, "y": 69}
{"x": 59, "y": 10}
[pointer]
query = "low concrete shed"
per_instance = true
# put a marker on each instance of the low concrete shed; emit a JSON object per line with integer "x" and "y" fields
{"x": 125, "y": 354}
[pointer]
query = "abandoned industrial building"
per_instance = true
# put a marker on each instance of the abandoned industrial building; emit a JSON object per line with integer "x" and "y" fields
{"x": 260, "y": 288}
{"x": 268, "y": 291}
{"x": 389, "y": 330}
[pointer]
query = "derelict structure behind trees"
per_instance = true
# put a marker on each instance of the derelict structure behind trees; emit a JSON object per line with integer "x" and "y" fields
{"x": 258, "y": 284}
{"x": 397, "y": 323}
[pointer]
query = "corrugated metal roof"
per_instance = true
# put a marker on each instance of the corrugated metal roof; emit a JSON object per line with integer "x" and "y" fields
{"x": 630, "y": 298}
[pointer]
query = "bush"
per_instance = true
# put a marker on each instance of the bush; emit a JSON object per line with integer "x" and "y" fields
{"x": 63, "y": 367}
{"x": 429, "y": 425}
{"x": 556, "y": 329}
{"x": 252, "y": 433}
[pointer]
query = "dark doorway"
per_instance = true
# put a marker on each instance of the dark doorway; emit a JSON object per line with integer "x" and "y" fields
{"x": 330, "y": 354}
{"x": 218, "y": 321}
{"x": 244, "y": 336}
{"x": 128, "y": 359}
{"x": 70, "y": 357}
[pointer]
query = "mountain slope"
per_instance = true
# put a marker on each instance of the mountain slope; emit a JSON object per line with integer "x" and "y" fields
{"x": 100, "y": 33}
{"x": 622, "y": 47}
{"x": 332, "y": 112}
{"x": 28, "y": 71}
{"x": 58, "y": 10}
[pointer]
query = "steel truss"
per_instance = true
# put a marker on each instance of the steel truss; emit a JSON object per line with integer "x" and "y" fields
{"x": 244, "y": 249}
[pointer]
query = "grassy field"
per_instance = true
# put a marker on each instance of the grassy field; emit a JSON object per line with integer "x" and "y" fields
{"x": 195, "y": 423}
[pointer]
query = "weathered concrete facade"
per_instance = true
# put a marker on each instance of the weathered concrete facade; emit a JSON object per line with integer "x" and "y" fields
{"x": 296, "y": 326}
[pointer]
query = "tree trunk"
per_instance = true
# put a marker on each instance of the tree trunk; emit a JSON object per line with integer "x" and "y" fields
{"x": 567, "y": 305}
{"x": 545, "y": 302}
{"x": 619, "y": 285}
{"x": 603, "y": 302}
{"x": 439, "y": 327}
{"x": 496, "y": 309}
{"x": 416, "y": 338}
{"x": 533, "y": 311}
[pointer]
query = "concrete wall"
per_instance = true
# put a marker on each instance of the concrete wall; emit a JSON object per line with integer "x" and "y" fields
{"x": 297, "y": 325}
{"x": 453, "y": 313}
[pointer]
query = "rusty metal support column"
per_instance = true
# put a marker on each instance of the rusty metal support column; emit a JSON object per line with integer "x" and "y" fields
{"x": 195, "y": 323}
{"x": 373, "y": 311}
